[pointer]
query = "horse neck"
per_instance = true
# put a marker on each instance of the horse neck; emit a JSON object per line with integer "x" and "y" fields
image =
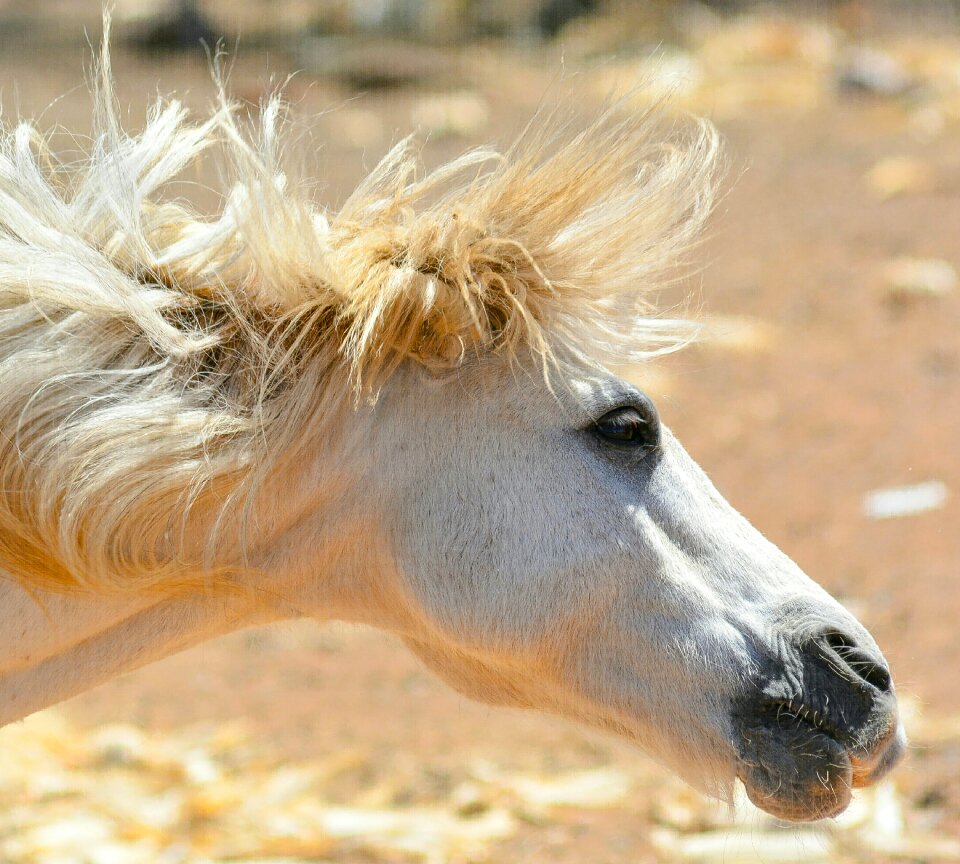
{"x": 53, "y": 646}
{"x": 312, "y": 554}
{"x": 57, "y": 643}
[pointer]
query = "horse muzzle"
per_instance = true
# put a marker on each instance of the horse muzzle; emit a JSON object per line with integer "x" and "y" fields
{"x": 821, "y": 721}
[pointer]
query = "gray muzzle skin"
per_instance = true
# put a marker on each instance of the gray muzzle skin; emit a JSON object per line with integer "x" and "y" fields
{"x": 821, "y": 721}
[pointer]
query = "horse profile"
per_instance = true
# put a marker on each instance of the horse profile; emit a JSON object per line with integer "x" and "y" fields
{"x": 400, "y": 414}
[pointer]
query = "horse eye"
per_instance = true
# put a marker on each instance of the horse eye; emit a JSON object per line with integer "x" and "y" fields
{"x": 630, "y": 425}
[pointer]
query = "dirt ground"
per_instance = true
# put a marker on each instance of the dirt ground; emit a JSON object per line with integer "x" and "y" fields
{"x": 833, "y": 388}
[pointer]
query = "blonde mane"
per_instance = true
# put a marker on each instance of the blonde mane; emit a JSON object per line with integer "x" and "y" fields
{"x": 154, "y": 363}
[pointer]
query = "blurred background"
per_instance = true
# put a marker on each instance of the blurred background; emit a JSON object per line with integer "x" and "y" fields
{"x": 824, "y": 401}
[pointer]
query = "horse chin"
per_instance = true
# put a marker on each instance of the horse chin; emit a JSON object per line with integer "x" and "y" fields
{"x": 801, "y": 773}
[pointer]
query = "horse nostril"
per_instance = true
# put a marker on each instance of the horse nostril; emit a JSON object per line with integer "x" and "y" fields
{"x": 863, "y": 664}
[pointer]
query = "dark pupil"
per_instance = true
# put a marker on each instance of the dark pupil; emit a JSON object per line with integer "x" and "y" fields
{"x": 623, "y": 425}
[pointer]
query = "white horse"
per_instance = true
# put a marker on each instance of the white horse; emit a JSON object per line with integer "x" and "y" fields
{"x": 399, "y": 414}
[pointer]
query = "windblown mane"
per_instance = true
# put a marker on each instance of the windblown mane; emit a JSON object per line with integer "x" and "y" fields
{"x": 153, "y": 362}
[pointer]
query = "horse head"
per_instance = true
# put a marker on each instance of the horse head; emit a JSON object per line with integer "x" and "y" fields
{"x": 402, "y": 413}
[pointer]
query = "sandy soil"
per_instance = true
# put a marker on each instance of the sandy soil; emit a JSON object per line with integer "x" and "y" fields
{"x": 847, "y": 392}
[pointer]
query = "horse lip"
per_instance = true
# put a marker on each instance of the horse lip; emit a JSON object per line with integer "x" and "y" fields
{"x": 795, "y": 776}
{"x": 883, "y": 756}
{"x": 812, "y": 781}
{"x": 869, "y": 763}
{"x": 801, "y": 713}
